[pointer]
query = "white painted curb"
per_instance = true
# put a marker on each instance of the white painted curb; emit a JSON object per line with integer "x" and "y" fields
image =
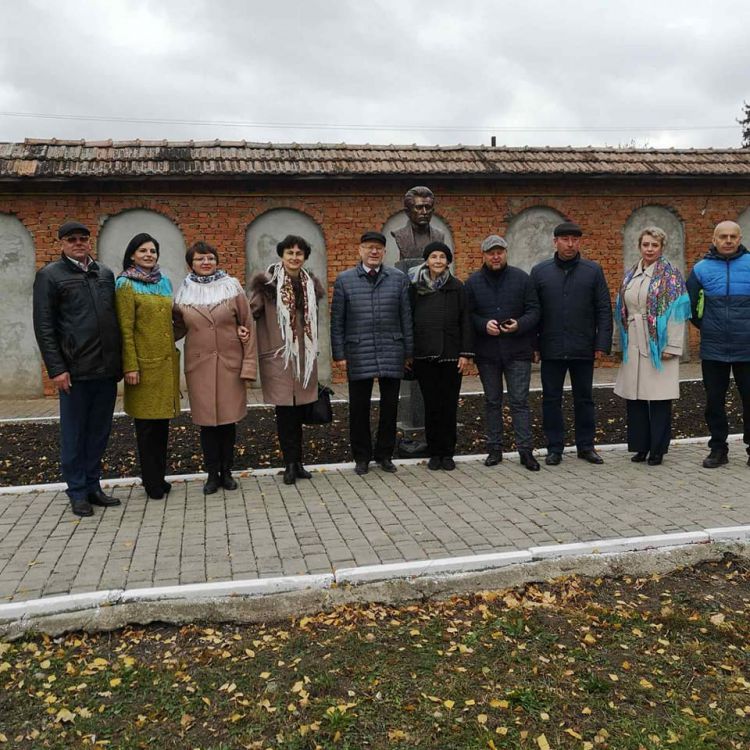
{"x": 613, "y": 546}
{"x": 27, "y": 611}
{"x": 224, "y": 589}
{"x": 442, "y": 566}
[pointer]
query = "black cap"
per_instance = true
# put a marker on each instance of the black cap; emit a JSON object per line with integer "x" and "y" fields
{"x": 437, "y": 246}
{"x": 72, "y": 226}
{"x": 568, "y": 229}
{"x": 373, "y": 237}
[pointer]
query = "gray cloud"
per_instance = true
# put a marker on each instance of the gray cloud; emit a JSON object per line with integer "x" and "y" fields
{"x": 379, "y": 65}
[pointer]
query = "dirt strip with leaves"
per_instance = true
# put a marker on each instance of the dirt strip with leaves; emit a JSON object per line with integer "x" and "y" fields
{"x": 657, "y": 662}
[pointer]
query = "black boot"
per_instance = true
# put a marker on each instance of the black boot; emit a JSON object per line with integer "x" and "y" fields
{"x": 290, "y": 474}
{"x": 301, "y": 471}
{"x": 212, "y": 483}
{"x": 227, "y": 481}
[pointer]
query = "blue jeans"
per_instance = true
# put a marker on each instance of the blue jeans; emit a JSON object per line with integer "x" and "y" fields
{"x": 581, "y": 381}
{"x": 85, "y": 424}
{"x": 517, "y": 374}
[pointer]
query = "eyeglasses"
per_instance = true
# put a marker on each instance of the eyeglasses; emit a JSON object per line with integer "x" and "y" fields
{"x": 77, "y": 238}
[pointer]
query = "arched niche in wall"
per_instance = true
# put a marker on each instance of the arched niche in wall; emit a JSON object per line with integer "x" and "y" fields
{"x": 529, "y": 236}
{"x": 118, "y": 230}
{"x": 20, "y": 363}
{"x": 654, "y": 216}
{"x": 744, "y": 221}
{"x": 396, "y": 222}
{"x": 262, "y": 236}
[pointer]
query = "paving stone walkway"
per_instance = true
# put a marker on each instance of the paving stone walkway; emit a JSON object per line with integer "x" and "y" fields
{"x": 339, "y": 519}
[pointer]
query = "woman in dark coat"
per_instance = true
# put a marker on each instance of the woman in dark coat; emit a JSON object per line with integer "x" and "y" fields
{"x": 443, "y": 349}
{"x": 284, "y": 303}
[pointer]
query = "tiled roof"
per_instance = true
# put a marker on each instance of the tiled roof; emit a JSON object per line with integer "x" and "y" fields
{"x": 53, "y": 159}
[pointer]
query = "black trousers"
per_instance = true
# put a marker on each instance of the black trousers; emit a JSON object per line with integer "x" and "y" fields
{"x": 440, "y": 383}
{"x": 152, "y": 436}
{"x": 217, "y": 443}
{"x": 360, "y": 392}
{"x": 649, "y": 425}
{"x": 289, "y": 430}
{"x": 716, "y": 383}
{"x": 581, "y": 380}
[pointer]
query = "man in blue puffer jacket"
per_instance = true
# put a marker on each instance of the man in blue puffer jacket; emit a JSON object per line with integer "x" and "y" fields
{"x": 719, "y": 288}
{"x": 372, "y": 335}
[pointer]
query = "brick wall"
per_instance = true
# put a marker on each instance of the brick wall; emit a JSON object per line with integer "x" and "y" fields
{"x": 220, "y": 212}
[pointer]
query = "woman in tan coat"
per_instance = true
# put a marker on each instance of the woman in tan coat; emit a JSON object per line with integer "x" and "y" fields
{"x": 651, "y": 310}
{"x": 209, "y": 308}
{"x": 284, "y": 303}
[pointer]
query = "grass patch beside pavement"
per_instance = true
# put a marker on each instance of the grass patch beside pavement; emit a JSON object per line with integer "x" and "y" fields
{"x": 658, "y": 662}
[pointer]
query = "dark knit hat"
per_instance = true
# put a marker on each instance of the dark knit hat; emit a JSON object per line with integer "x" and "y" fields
{"x": 133, "y": 245}
{"x": 72, "y": 226}
{"x": 568, "y": 229}
{"x": 372, "y": 237}
{"x": 436, "y": 246}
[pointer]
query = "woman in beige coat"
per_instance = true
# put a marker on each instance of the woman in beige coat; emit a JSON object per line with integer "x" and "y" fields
{"x": 651, "y": 310}
{"x": 209, "y": 308}
{"x": 284, "y": 303}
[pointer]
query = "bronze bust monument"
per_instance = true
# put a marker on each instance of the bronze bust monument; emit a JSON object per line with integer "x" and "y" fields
{"x": 413, "y": 237}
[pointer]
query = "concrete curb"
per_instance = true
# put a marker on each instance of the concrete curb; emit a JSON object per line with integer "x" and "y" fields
{"x": 245, "y": 473}
{"x": 273, "y": 598}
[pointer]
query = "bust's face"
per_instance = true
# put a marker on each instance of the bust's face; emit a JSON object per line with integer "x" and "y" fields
{"x": 420, "y": 211}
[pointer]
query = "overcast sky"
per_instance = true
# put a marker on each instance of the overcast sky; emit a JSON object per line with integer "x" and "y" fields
{"x": 530, "y": 72}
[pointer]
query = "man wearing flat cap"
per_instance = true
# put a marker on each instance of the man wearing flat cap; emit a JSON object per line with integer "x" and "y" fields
{"x": 76, "y": 328}
{"x": 372, "y": 336}
{"x": 504, "y": 312}
{"x": 575, "y": 330}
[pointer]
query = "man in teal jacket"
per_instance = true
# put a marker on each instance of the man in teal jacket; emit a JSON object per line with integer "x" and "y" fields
{"x": 719, "y": 288}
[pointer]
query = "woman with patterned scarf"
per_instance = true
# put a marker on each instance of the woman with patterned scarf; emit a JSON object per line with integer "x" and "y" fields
{"x": 650, "y": 312}
{"x": 143, "y": 297}
{"x": 284, "y": 303}
{"x": 209, "y": 308}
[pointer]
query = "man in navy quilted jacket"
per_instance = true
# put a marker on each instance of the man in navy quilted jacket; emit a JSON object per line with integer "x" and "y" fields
{"x": 372, "y": 336}
{"x": 719, "y": 288}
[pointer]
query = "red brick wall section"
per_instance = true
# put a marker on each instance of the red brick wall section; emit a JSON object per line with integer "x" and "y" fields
{"x": 222, "y": 214}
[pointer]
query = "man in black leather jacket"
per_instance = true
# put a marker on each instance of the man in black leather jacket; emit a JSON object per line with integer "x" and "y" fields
{"x": 76, "y": 328}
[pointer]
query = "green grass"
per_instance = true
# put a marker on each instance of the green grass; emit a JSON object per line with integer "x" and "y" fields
{"x": 627, "y": 664}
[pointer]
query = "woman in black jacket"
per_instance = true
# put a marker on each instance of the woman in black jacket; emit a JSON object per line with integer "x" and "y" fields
{"x": 442, "y": 349}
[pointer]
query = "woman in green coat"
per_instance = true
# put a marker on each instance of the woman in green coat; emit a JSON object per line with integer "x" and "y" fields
{"x": 149, "y": 357}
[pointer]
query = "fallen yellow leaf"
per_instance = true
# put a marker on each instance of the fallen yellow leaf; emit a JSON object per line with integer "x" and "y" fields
{"x": 541, "y": 740}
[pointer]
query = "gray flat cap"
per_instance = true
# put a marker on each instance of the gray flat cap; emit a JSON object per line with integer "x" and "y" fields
{"x": 494, "y": 240}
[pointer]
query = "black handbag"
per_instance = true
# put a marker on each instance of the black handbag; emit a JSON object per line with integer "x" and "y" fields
{"x": 320, "y": 411}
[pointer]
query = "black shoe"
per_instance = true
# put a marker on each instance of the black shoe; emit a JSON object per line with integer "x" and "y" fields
{"x": 448, "y": 463}
{"x": 361, "y": 467}
{"x": 81, "y": 507}
{"x": 227, "y": 480}
{"x": 639, "y": 457}
{"x": 290, "y": 474}
{"x": 591, "y": 456}
{"x": 748, "y": 460}
{"x": 102, "y": 500}
{"x": 717, "y": 457}
{"x": 655, "y": 459}
{"x": 212, "y": 484}
{"x": 553, "y": 459}
{"x": 301, "y": 471}
{"x": 494, "y": 457}
{"x": 528, "y": 460}
{"x": 167, "y": 487}
{"x": 435, "y": 463}
{"x": 387, "y": 465}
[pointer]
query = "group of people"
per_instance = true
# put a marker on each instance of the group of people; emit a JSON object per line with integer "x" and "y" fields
{"x": 93, "y": 330}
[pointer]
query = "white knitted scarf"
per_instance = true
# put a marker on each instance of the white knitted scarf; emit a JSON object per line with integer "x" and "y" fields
{"x": 287, "y": 325}
{"x": 192, "y": 294}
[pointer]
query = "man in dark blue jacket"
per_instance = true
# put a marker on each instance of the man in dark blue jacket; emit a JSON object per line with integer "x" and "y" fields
{"x": 504, "y": 311}
{"x": 719, "y": 288}
{"x": 372, "y": 335}
{"x": 78, "y": 335}
{"x": 575, "y": 330}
